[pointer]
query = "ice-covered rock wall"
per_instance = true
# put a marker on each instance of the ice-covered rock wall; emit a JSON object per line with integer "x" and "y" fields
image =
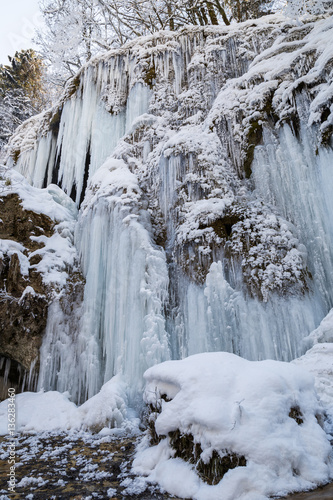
{"x": 39, "y": 273}
{"x": 200, "y": 161}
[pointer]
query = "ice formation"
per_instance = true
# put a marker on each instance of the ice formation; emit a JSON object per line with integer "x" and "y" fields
{"x": 200, "y": 164}
{"x": 188, "y": 176}
{"x": 122, "y": 329}
{"x": 38, "y": 263}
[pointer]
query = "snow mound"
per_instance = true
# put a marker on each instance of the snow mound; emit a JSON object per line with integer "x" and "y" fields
{"x": 106, "y": 409}
{"x": 319, "y": 362}
{"x": 53, "y": 411}
{"x": 51, "y": 201}
{"x": 264, "y": 414}
{"x": 324, "y": 332}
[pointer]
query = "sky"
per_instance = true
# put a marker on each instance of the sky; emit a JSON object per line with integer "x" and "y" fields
{"x": 19, "y": 19}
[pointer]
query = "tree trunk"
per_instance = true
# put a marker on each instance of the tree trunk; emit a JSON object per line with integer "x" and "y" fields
{"x": 170, "y": 16}
{"x": 212, "y": 14}
{"x": 222, "y": 12}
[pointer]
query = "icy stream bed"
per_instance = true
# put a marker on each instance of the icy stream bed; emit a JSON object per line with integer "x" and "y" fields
{"x": 324, "y": 493}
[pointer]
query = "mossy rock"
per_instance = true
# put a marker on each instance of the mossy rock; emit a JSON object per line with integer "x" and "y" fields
{"x": 196, "y": 266}
{"x": 326, "y": 136}
{"x": 19, "y": 224}
{"x": 296, "y": 414}
{"x": 73, "y": 86}
{"x": 15, "y": 154}
{"x": 218, "y": 465}
{"x": 223, "y": 225}
{"x": 150, "y": 76}
{"x": 254, "y": 138}
{"x": 55, "y": 121}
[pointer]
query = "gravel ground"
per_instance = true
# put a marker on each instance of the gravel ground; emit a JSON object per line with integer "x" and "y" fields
{"x": 86, "y": 466}
{"x": 73, "y": 466}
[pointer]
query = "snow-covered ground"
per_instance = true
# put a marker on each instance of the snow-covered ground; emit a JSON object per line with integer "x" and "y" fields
{"x": 52, "y": 411}
{"x": 74, "y": 464}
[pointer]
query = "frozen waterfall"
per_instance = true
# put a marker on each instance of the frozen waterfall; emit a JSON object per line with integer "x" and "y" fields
{"x": 151, "y": 142}
{"x": 88, "y": 134}
{"x": 122, "y": 327}
{"x": 297, "y": 179}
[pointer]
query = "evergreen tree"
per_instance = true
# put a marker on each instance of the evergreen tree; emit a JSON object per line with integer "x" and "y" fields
{"x": 15, "y": 108}
{"x": 22, "y": 91}
{"x": 26, "y": 72}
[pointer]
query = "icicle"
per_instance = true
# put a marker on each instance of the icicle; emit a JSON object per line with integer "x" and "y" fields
{"x": 37, "y": 165}
{"x": 6, "y": 371}
{"x": 218, "y": 318}
{"x": 60, "y": 355}
{"x": 298, "y": 181}
{"x": 88, "y": 132}
{"x": 137, "y": 103}
{"x": 121, "y": 327}
{"x": 126, "y": 287}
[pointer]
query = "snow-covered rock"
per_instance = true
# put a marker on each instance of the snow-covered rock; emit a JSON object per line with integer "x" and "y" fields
{"x": 53, "y": 411}
{"x": 319, "y": 362}
{"x": 248, "y": 429}
{"x": 38, "y": 267}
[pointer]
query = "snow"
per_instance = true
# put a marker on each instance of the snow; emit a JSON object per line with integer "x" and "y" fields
{"x": 108, "y": 408}
{"x": 324, "y": 332}
{"x": 10, "y": 247}
{"x": 25, "y": 481}
{"x": 53, "y": 411}
{"x": 154, "y": 166}
{"x": 57, "y": 251}
{"x": 318, "y": 360}
{"x": 111, "y": 492}
{"x": 229, "y": 404}
{"x": 51, "y": 201}
{"x": 39, "y": 411}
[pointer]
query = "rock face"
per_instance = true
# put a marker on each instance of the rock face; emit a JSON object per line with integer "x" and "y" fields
{"x": 199, "y": 161}
{"x": 25, "y": 294}
{"x": 24, "y": 302}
